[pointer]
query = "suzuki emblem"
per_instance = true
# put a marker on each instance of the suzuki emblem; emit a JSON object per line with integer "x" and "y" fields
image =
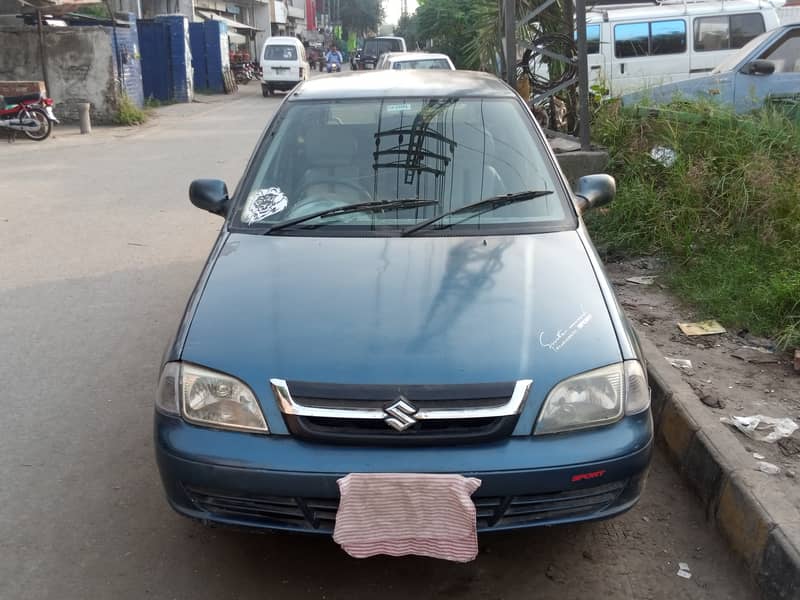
{"x": 399, "y": 415}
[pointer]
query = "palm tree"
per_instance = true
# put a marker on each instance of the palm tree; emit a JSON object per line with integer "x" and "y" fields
{"x": 484, "y": 48}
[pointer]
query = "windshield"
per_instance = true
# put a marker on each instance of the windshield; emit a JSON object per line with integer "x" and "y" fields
{"x": 426, "y": 63}
{"x": 733, "y": 60}
{"x": 276, "y": 52}
{"x": 321, "y": 155}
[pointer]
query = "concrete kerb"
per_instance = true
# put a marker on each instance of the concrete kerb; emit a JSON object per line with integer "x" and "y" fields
{"x": 760, "y": 526}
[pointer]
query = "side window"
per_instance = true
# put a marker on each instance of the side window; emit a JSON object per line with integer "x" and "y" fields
{"x": 711, "y": 33}
{"x": 631, "y": 39}
{"x": 593, "y": 39}
{"x": 726, "y": 32}
{"x": 649, "y": 39}
{"x": 786, "y": 54}
{"x": 745, "y": 27}
{"x": 668, "y": 37}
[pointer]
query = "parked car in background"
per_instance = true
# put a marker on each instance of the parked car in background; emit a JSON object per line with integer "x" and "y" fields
{"x": 415, "y": 60}
{"x": 403, "y": 283}
{"x": 283, "y": 64}
{"x": 375, "y": 47}
{"x": 766, "y": 70}
{"x": 631, "y": 48}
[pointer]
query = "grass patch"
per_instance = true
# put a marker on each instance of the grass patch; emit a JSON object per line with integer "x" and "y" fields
{"x": 128, "y": 113}
{"x": 726, "y": 214}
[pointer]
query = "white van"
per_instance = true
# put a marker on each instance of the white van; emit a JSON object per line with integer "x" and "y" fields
{"x": 283, "y": 64}
{"x": 633, "y": 47}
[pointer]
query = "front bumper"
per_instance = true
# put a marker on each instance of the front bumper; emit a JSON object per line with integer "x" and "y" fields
{"x": 281, "y": 483}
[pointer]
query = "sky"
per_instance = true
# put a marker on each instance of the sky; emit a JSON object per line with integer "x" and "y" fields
{"x": 392, "y": 9}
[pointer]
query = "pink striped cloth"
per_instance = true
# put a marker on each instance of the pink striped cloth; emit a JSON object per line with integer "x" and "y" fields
{"x": 407, "y": 513}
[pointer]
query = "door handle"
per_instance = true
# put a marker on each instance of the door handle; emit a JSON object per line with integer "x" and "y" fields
{"x": 595, "y": 67}
{"x": 621, "y": 67}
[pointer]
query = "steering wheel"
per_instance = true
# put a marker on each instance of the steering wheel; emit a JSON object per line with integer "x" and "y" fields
{"x": 327, "y": 200}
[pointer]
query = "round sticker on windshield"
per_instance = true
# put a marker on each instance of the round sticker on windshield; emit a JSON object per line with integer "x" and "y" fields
{"x": 262, "y": 204}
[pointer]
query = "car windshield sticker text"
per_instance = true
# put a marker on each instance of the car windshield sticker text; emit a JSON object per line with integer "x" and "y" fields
{"x": 263, "y": 203}
{"x": 565, "y": 335}
{"x": 398, "y": 107}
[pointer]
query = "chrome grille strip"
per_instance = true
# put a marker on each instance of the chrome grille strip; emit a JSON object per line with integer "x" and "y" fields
{"x": 513, "y": 406}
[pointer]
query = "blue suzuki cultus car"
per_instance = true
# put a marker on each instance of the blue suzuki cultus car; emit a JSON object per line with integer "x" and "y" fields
{"x": 403, "y": 283}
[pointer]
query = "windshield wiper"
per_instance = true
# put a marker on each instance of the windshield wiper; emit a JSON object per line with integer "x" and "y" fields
{"x": 480, "y": 207}
{"x": 376, "y": 206}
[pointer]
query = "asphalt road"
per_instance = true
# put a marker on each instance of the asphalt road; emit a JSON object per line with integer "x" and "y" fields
{"x": 99, "y": 250}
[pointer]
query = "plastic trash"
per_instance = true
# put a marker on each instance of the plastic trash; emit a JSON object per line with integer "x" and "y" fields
{"x": 683, "y": 570}
{"x": 767, "y": 468}
{"x": 758, "y": 456}
{"x": 664, "y": 156}
{"x": 761, "y": 428}
{"x": 680, "y": 363}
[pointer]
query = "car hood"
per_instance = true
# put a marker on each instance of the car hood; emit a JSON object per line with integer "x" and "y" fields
{"x": 418, "y": 310}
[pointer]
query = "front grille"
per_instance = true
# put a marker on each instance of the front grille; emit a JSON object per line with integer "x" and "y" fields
{"x": 433, "y": 414}
{"x": 319, "y": 514}
{"x": 371, "y": 431}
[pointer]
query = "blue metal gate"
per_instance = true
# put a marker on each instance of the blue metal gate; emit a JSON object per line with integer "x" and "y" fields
{"x": 199, "y": 63}
{"x": 154, "y": 51}
{"x": 209, "y": 55}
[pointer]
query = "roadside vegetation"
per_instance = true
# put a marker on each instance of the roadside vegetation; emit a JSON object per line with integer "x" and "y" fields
{"x": 725, "y": 214}
{"x": 128, "y": 113}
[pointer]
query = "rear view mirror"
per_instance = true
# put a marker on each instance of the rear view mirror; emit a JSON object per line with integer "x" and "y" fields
{"x": 210, "y": 195}
{"x": 595, "y": 190}
{"x": 759, "y": 67}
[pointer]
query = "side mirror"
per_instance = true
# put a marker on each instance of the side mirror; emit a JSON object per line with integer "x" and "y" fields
{"x": 595, "y": 190}
{"x": 759, "y": 67}
{"x": 210, "y": 195}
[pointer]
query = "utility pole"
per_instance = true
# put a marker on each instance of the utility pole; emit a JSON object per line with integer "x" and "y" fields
{"x": 43, "y": 53}
{"x": 583, "y": 75}
{"x": 509, "y": 19}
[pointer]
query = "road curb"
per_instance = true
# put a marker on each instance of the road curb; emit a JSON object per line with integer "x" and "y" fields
{"x": 761, "y": 527}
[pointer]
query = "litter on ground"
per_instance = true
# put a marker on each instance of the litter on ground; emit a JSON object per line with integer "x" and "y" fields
{"x": 761, "y": 428}
{"x": 768, "y": 468}
{"x": 683, "y": 570}
{"x": 642, "y": 279}
{"x": 679, "y": 363}
{"x": 701, "y": 328}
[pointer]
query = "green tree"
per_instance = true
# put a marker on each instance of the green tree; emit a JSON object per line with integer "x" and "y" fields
{"x": 448, "y": 24}
{"x": 406, "y": 28}
{"x": 470, "y": 31}
{"x": 361, "y": 16}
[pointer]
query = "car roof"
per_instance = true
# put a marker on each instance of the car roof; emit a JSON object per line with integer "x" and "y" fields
{"x": 401, "y": 56}
{"x": 281, "y": 40}
{"x": 403, "y": 83}
{"x": 674, "y": 9}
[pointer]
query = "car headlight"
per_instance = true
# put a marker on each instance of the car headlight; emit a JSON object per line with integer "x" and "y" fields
{"x": 208, "y": 398}
{"x": 595, "y": 398}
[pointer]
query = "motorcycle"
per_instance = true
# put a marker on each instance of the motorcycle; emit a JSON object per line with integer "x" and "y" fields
{"x": 243, "y": 72}
{"x": 334, "y": 67}
{"x": 32, "y": 114}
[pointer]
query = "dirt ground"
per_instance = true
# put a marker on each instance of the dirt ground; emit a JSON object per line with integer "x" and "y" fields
{"x": 733, "y": 373}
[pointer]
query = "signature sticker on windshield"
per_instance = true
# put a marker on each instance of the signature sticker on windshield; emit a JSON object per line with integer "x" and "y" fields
{"x": 565, "y": 335}
{"x": 397, "y": 107}
{"x": 262, "y": 204}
